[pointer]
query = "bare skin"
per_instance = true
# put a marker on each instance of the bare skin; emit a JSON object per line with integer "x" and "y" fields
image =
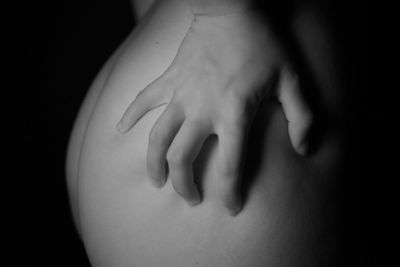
{"x": 125, "y": 222}
{"x": 220, "y": 75}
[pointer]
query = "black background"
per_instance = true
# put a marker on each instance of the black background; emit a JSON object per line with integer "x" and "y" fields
{"x": 58, "y": 48}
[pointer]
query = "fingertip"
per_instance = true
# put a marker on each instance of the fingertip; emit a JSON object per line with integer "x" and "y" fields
{"x": 120, "y": 128}
{"x": 158, "y": 183}
{"x": 194, "y": 199}
{"x": 300, "y": 145}
{"x": 157, "y": 176}
{"x": 298, "y": 137}
{"x": 194, "y": 202}
{"x": 302, "y": 148}
{"x": 234, "y": 206}
{"x": 233, "y": 211}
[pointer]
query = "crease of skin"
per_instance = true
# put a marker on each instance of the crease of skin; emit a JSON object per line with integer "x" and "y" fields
{"x": 108, "y": 69}
{"x": 217, "y": 230}
{"x": 88, "y": 107}
{"x": 86, "y": 111}
{"x": 114, "y": 65}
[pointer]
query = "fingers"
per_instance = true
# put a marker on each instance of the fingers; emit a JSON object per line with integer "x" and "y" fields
{"x": 231, "y": 149}
{"x": 182, "y": 153}
{"x": 296, "y": 110}
{"x": 146, "y": 100}
{"x": 161, "y": 136}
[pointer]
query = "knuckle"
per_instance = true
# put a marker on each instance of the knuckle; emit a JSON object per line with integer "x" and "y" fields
{"x": 227, "y": 171}
{"x": 172, "y": 71}
{"x": 233, "y": 128}
{"x": 235, "y": 100}
{"x": 175, "y": 157}
{"x": 234, "y": 125}
{"x": 143, "y": 95}
{"x": 237, "y": 113}
{"x": 170, "y": 78}
{"x": 157, "y": 137}
{"x": 195, "y": 121}
{"x": 198, "y": 123}
{"x": 137, "y": 97}
{"x": 140, "y": 94}
{"x": 152, "y": 168}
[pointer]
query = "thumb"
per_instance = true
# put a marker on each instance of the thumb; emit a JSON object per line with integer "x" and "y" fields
{"x": 298, "y": 113}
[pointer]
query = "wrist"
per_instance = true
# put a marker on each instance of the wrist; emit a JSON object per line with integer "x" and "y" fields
{"x": 244, "y": 25}
{"x": 217, "y": 7}
{"x": 238, "y": 37}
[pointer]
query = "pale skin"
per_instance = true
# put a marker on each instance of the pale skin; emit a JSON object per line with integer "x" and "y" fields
{"x": 219, "y": 77}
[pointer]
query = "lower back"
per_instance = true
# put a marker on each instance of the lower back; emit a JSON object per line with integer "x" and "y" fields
{"x": 124, "y": 221}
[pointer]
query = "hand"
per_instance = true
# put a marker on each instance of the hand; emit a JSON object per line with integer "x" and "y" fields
{"x": 214, "y": 86}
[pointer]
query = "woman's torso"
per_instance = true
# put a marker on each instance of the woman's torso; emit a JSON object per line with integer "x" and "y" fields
{"x": 124, "y": 221}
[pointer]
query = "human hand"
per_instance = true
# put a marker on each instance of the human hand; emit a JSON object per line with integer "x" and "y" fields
{"x": 214, "y": 86}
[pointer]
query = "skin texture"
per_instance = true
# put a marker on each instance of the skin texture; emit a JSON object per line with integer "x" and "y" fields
{"x": 224, "y": 69}
{"x": 217, "y": 7}
{"x": 79, "y": 132}
{"x": 124, "y": 221}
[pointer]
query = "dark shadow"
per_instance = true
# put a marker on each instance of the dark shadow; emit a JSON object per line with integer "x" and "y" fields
{"x": 62, "y": 45}
{"x": 279, "y": 17}
{"x": 253, "y": 156}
